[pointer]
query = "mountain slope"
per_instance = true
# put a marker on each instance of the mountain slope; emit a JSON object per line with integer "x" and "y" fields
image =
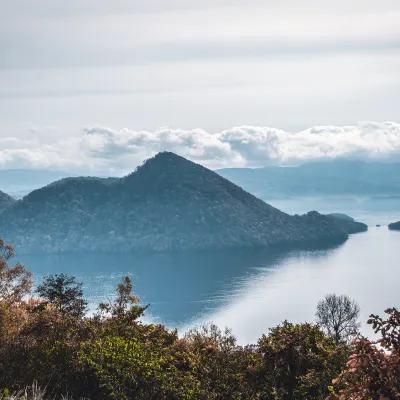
{"x": 5, "y": 201}
{"x": 168, "y": 203}
{"x": 323, "y": 178}
{"x": 341, "y": 216}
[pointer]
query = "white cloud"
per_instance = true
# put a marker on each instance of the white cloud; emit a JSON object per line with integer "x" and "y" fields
{"x": 101, "y": 150}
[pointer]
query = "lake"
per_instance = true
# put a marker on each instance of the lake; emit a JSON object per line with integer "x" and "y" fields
{"x": 246, "y": 290}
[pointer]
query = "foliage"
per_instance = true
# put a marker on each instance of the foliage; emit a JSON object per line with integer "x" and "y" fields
{"x": 113, "y": 355}
{"x": 64, "y": 293}
{"x": 225, "y": 370}
{"x": 15, "y": 282}
{"x": 338, "y": 315}
{"x": 125, "y": 306}
{"x": 140, "y": 369}
{"x": 373, "y": 368}
{"x": 298, "y": 362}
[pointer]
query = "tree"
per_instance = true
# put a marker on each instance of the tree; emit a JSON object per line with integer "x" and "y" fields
{"x": 225, "y": 369}
{"x": 298, "y": 362}
{"x": 64, "y": 293}
{"x": 373, "y": 368}
{"x": 15, "y": 282}
{"x": 338, "y": 316}
{"x": 125, "y": 305}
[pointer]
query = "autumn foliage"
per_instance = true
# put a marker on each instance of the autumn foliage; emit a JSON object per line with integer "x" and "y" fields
{"x": 373, "y": 368}
{"x": 111, "y": 354}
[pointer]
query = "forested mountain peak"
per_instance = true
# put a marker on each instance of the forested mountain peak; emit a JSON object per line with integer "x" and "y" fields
{"x": 170, "y": 176}
{"x": 168, "y": 203}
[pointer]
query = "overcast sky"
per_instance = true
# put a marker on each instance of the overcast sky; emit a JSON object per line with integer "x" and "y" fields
{"x": 98, "y": 85}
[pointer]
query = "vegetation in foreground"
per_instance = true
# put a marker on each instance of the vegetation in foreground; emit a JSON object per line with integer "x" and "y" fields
{"x": 51, "y": 349}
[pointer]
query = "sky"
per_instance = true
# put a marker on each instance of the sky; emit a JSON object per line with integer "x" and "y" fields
{"x": 97, "y": 86}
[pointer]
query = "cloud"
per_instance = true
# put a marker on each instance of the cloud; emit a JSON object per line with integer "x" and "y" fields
{"x": 45, "y": 33}
{"x": 101, "y": 150}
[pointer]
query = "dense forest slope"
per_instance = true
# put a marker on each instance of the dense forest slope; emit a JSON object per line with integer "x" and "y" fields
{"x": 5, "y": 201}
{"x": 168, "y": 203}
{"x": 395, "y": 226}
{"x": 342, "y": 216}
{"x": 338, "y": 177}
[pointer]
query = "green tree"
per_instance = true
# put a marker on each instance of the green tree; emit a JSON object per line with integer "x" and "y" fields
{"x": 225, "y": 369}
{"x": 298, "y": 362}
{"x": 124, "y": 308}
{"x": 64, "y": 293}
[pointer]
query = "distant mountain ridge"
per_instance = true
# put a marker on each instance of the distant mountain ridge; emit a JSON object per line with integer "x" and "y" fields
{"x": 338, "y": 177}
{"x": 19, "y": 182}
{"x": 168, "y": 203}
{"x": 329, "y": 178}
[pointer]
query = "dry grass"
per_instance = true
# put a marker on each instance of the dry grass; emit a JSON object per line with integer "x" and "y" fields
{"x": 33, "y": 392}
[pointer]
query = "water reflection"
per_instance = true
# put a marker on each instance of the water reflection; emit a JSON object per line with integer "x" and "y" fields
{"x": 179, "y": 287}
{"x": 247, "y": 290}
{"x": 365, "y": 268}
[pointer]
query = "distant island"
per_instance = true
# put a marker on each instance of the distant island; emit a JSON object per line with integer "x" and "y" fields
{"x": 395, "y": 226}
{"x": 168, "y": 203}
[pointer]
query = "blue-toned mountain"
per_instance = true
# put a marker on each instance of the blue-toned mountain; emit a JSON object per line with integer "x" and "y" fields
{"x": 330, "y": 178}
{"x": 168, "y": 203}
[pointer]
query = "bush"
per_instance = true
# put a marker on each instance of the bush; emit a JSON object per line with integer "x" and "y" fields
{"x": 113, "y": 355}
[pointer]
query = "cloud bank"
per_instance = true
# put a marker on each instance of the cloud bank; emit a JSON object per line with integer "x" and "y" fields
{"x": 106, "y": 151}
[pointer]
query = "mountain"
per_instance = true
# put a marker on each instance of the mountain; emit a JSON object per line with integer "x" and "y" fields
{"x": 5, "y": 201}
{"x": 341, "y": 216}
{"x": 19, "y": 182}
{"x": 395, "y": 226}
{"x": 338, "y": 178}
{"x": 169, "y": 203}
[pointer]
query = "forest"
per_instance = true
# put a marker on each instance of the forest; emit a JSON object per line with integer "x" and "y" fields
{"x": 51, "y": 347}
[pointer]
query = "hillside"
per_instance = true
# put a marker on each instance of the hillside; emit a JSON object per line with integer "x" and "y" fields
{"x": 395, "y": 226}
{"x": 5, "y": 201}
{"x": 338, "y": 178}
{"x": 341, "y": 216}
{"x": 169, "y": 203}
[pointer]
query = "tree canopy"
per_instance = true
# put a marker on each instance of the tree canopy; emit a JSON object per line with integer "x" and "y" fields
{"x": 64, "y": 293}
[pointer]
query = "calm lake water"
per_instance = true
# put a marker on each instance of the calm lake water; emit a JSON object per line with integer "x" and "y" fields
{"x": 248, "y": 291}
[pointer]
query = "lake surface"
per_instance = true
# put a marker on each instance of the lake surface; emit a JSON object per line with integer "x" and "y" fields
{"x": 247, "y": 290}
